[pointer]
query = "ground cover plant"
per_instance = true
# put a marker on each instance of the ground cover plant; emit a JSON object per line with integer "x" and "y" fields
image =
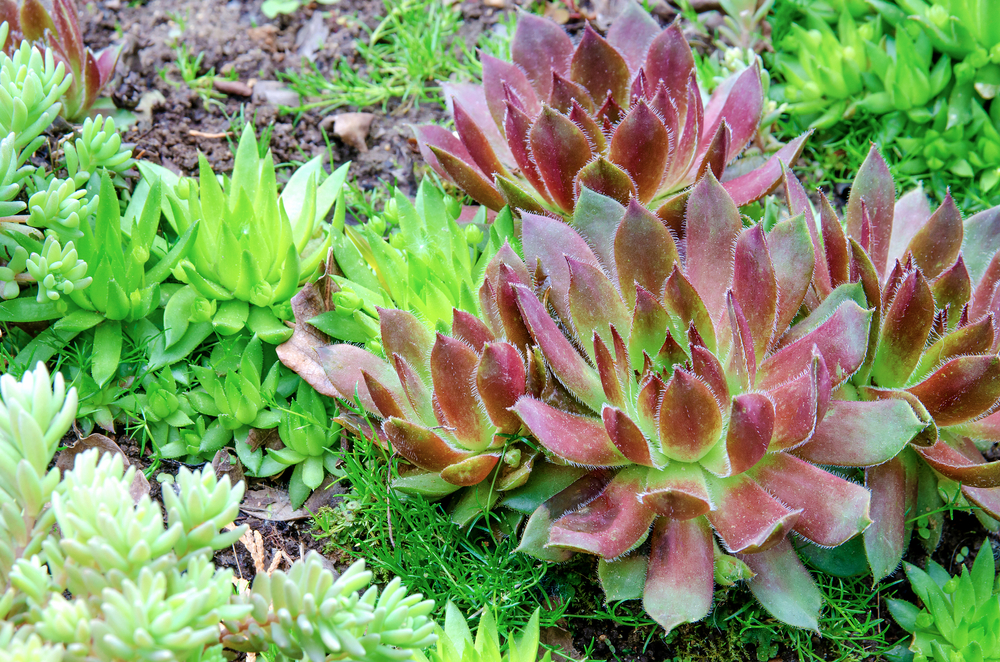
{"x": 583, "y": 368}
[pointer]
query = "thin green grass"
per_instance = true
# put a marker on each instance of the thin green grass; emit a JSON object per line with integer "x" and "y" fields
{"x": 414, "y": 46}
{"x": 414, "y": 539}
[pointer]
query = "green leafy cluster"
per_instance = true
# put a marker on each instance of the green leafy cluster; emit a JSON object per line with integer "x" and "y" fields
{"x": 428, "y": 264}
{"x": 960, "y": 616}
{"x": 90, "y": 569}
{"x": 455, "y": 642}
{"x": 930, "y": 70}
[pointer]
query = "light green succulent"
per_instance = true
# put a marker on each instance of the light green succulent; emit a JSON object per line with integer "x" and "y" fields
{"x": 98, "y": 145}
{"x": 92, "y": 570}
{"x": 59, "y": 205}
{"x": 254, "y": 247}
{"x": 10, "y": 175}
{"x": 310, "y": 615}
{"x": 309, "y": 439}
{"x": 456, "y": 644}
{"x": 429, "y": 265}
{"x": 58, "y": 270}
{"x": 12, "y": 275}
{"x": 31, "y": 85}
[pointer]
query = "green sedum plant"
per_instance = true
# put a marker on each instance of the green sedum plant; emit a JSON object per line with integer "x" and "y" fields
{"x": 931, "y": 69}
{"x": 59, "y": 34}
{"x": 960, "y": 616}
{"x": 91, "y": 570}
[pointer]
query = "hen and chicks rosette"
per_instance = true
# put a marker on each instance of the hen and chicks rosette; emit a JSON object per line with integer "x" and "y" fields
{"x": 622, "y": 116}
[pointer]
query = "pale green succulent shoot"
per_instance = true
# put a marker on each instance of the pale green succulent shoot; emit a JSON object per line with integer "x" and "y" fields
{"x": 59, "y": 205}
{"x": 30, "y": 87}
{"x": 10, "y": 175}
{"x": 35, "y": 413}
{"x": 97, "y": 146}
{"x": 308, "y": 614}
{"x": 12, "y": 275}
{"x": 58, "y": 270}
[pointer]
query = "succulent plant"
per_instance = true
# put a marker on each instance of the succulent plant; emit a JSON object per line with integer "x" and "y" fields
{"x": 429, "y": 265}
{"x": 57, "y": 271}
{"x": 253, "y": 248}
{"x": 31, "y": 85}
{"x": 309, "y": 439}
{"x": 444, "y": 400}
{"x": 98, "y": 146}
{"x": 931, "y": 366}
{"x": 58, "y": 205}
{"x": 90, "y": 568}
{"x": 59, "y": 33}
{"x": 622, "y": 116}
{"x": 12, "y": 274}
{"x": 960, "y": 617}
{"x": 666, "y": 407}
{"x": 455, "y": 642}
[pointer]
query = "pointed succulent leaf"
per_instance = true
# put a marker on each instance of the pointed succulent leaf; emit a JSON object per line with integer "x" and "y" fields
{"x": 598, "y": 67}
{"x": 476, "y": 108}
{"x": 475, "y": 140}
{"x": 626, "y": 436}
{"x": 834, "y": 510}
{"x": 470, "y": 178}
{"x": 560, "y": 149}
{"x": 679, "y": 579}
{"x": 453, "y": 372}
{"x": 421, "y": 446}
{"x": 497, "y": 75}
{"x": 911, "y": 213}
{"x": 641, "y": 145}
{"x": 402, "y": 333}
{"x": 612, "y": 524}
{"x": 967, "y": 467}
{"x": 632, "y": 32}
{"x": 565, "y": 362}
{"x": 874, "y": 186}
{"x": 835, "y": 245}
{"x": 431, "y": 135}
{"x": 604, "y": 177}
{"x": 742, "y": 358}
{"x": 936, "y": 246}
{"x": 469, "y": 329}
{"x": 862, "y": 434}
{"x": 670, "y": 63}
{"x": 893, "y": 493}
{"x": 344, "y": 364}
{"x": 961, "y": 390}
{"x": 713, "y": 226}
{"x": 678, "y": 491}
{"x": 755, "y": 287}
{"x": 577, "y": 439}
{"x": 800, "y": 404}
{"x": 644, "y": 252}
{"x": 540, "y": 47}
{"x": 690, "y": 422}
{"x": 681, "y": 299}
{"x": 905, "y": 328}
{"x": 650, "y": 327}
{"x": 783, "y": 585}
{"x": 500, "y": 381}
{"x": 747, "y": 518}
{"x": 751, "y": 425}
{"x": 740, "y": 108}
{"x": 594, "y": 303}
{"x": 791, "y": 250}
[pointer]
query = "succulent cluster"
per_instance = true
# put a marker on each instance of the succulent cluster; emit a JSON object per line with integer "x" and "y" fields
{"x": 622, "y": 116}
{"x": 59, "y": 34}
{"x": 960, "y": 618}
{"x": 455, "y": 642}
{"x": 932, "y": 68}
{"x": 90, "y": 568}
